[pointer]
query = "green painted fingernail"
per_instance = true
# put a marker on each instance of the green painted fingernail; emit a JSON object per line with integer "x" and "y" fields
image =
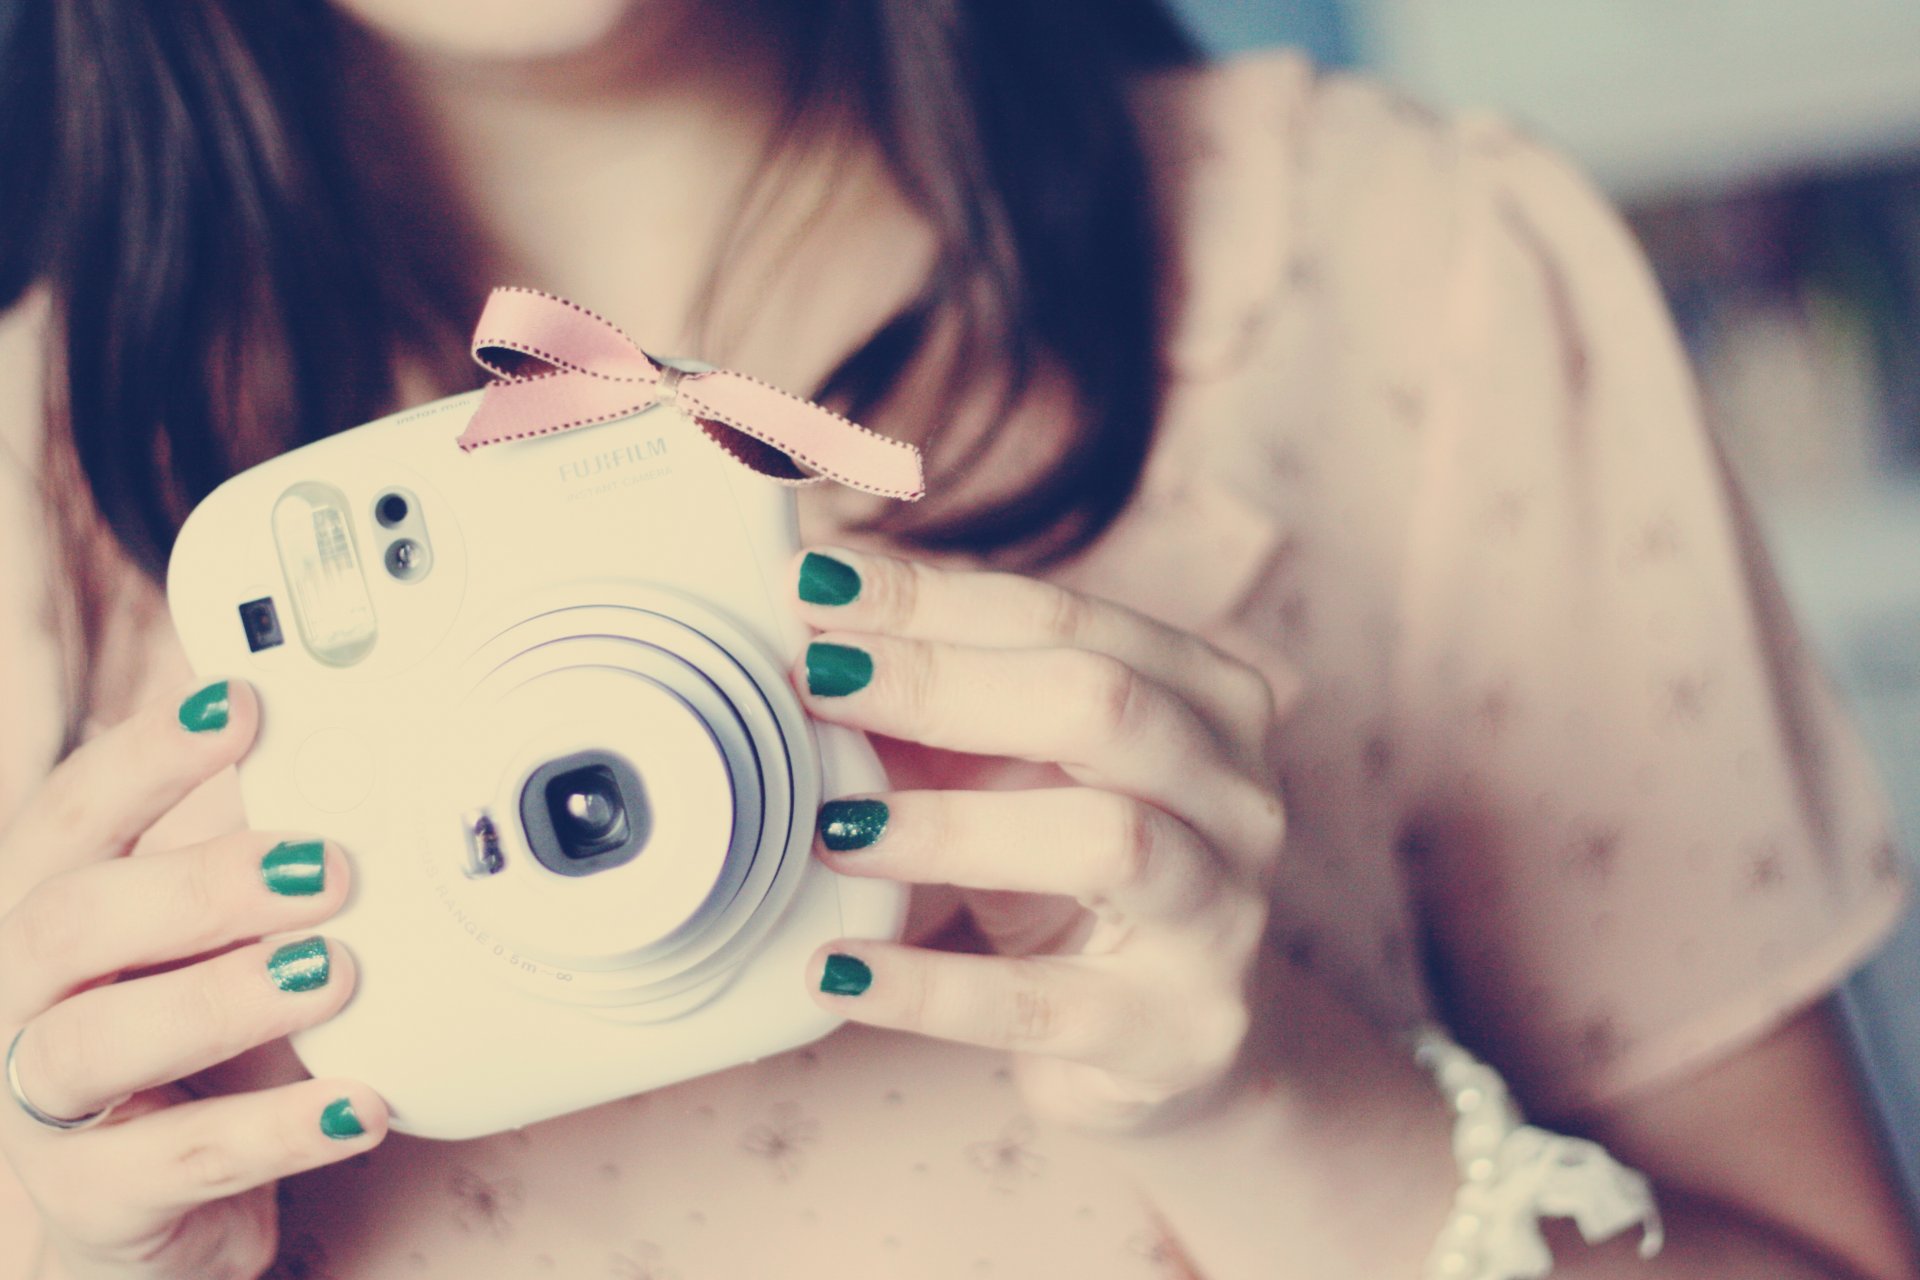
{"x": 851, "y": 824}
{"x": 295, "y": 868}
{"x": 339, "y": 1120}
{"x": 300, "y": 966}
{"x": 836, "y": 670}
{"x": 845, "y": 975}
{"x": 824, "y": 580}
{"x": 207, "y": 710}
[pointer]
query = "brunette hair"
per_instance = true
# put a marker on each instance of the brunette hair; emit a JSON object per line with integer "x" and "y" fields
{"x": 179, "y": 181}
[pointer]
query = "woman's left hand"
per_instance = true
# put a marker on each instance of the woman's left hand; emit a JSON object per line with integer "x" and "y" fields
{"x": 1125, "y": 901}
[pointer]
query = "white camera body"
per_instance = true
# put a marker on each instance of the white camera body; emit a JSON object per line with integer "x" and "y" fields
{"x": 539, "y": 693}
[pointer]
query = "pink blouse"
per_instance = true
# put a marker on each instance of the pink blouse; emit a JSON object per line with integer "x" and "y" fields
{"x": 1558, "y": 765}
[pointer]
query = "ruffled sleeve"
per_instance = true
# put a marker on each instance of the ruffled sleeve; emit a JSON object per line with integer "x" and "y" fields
{"x": 1644, "y": 830}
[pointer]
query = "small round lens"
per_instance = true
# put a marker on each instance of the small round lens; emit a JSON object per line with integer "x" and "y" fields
{"x": 390, "y": 510}
{"x": 406, "y": 559}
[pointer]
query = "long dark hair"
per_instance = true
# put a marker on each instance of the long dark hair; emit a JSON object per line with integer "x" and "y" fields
{"x": 178, "y": 180}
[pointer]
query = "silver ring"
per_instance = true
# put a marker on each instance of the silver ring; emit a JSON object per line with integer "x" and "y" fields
{"x": 35, "y": 1113}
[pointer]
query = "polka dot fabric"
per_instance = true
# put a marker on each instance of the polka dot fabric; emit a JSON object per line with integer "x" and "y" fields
{"x": 1559, "y": 765}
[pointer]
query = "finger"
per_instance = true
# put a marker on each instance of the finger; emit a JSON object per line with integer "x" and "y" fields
{"x": 864, "y": 592}
{"x": 1107, "y": 850}
{"x": 104, "y": 917}
{"x": 100, "y": 799}
{"x": 213, "y": 1148}
{"x": 1101, "y": 720}
{"x": 110, "y": 1042}
{"x": 1057, "y": 1007}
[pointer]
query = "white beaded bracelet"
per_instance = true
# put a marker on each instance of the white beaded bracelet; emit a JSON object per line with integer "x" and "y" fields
{"x": 1513, "y": 1175}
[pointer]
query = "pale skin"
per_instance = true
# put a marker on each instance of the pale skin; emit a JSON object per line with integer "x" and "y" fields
{"x": 1154, "y": 1021}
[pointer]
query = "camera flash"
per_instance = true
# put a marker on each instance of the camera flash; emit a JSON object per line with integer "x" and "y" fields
{"x": 328, "y": 590}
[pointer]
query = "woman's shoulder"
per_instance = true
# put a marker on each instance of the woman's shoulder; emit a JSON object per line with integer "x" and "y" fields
{"x": 1277, "y": 181}
{"x": 1280, "y": 111}
{"x": 1309, "y": 220}
{"x": 1329, "y": 202}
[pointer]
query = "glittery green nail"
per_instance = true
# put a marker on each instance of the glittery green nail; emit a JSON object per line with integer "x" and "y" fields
{"x": 300, "y": 966}
{"x": 824, "y": 580}
{"x": 206, "y": 711}
{"x": 295, "y": 868}
{"x": 845, "y": 976}
{"x": 836, "y": 670}
{"x": 851, "y": 824}
{"x": 339, "y": 1121}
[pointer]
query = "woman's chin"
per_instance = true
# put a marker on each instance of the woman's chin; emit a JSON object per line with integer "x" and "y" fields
{"x": 495, "y": 30}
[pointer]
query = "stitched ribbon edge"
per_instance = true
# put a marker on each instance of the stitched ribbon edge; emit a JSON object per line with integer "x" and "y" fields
{"x": 645, "y": 379}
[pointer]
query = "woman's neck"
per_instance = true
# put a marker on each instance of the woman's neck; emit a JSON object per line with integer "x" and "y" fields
{"x": 614, "y": 177}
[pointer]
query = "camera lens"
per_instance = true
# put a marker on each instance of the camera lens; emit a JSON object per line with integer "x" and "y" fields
{"x": 390, "y": 510}
{"x": 585, "y": 813}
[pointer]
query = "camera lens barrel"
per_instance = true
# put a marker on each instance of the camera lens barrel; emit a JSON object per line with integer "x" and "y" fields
{"x": 653, "y": 800}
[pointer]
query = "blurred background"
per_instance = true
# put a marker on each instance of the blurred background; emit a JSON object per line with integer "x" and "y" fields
{"x": 1768, "y": 154}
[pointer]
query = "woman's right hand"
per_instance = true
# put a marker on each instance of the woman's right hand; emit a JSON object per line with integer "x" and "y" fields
{"x": 124, "y": 975}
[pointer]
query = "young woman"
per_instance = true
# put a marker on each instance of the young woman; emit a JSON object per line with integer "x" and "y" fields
{"x": 1324, "y": 450}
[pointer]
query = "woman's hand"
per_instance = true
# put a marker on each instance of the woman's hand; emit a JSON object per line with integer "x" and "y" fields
{"x": 1122, "y": 887}
{"x": 122, "y": 975}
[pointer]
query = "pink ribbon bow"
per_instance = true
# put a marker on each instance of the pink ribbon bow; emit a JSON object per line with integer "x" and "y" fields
{"x": 560, "y": 366}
